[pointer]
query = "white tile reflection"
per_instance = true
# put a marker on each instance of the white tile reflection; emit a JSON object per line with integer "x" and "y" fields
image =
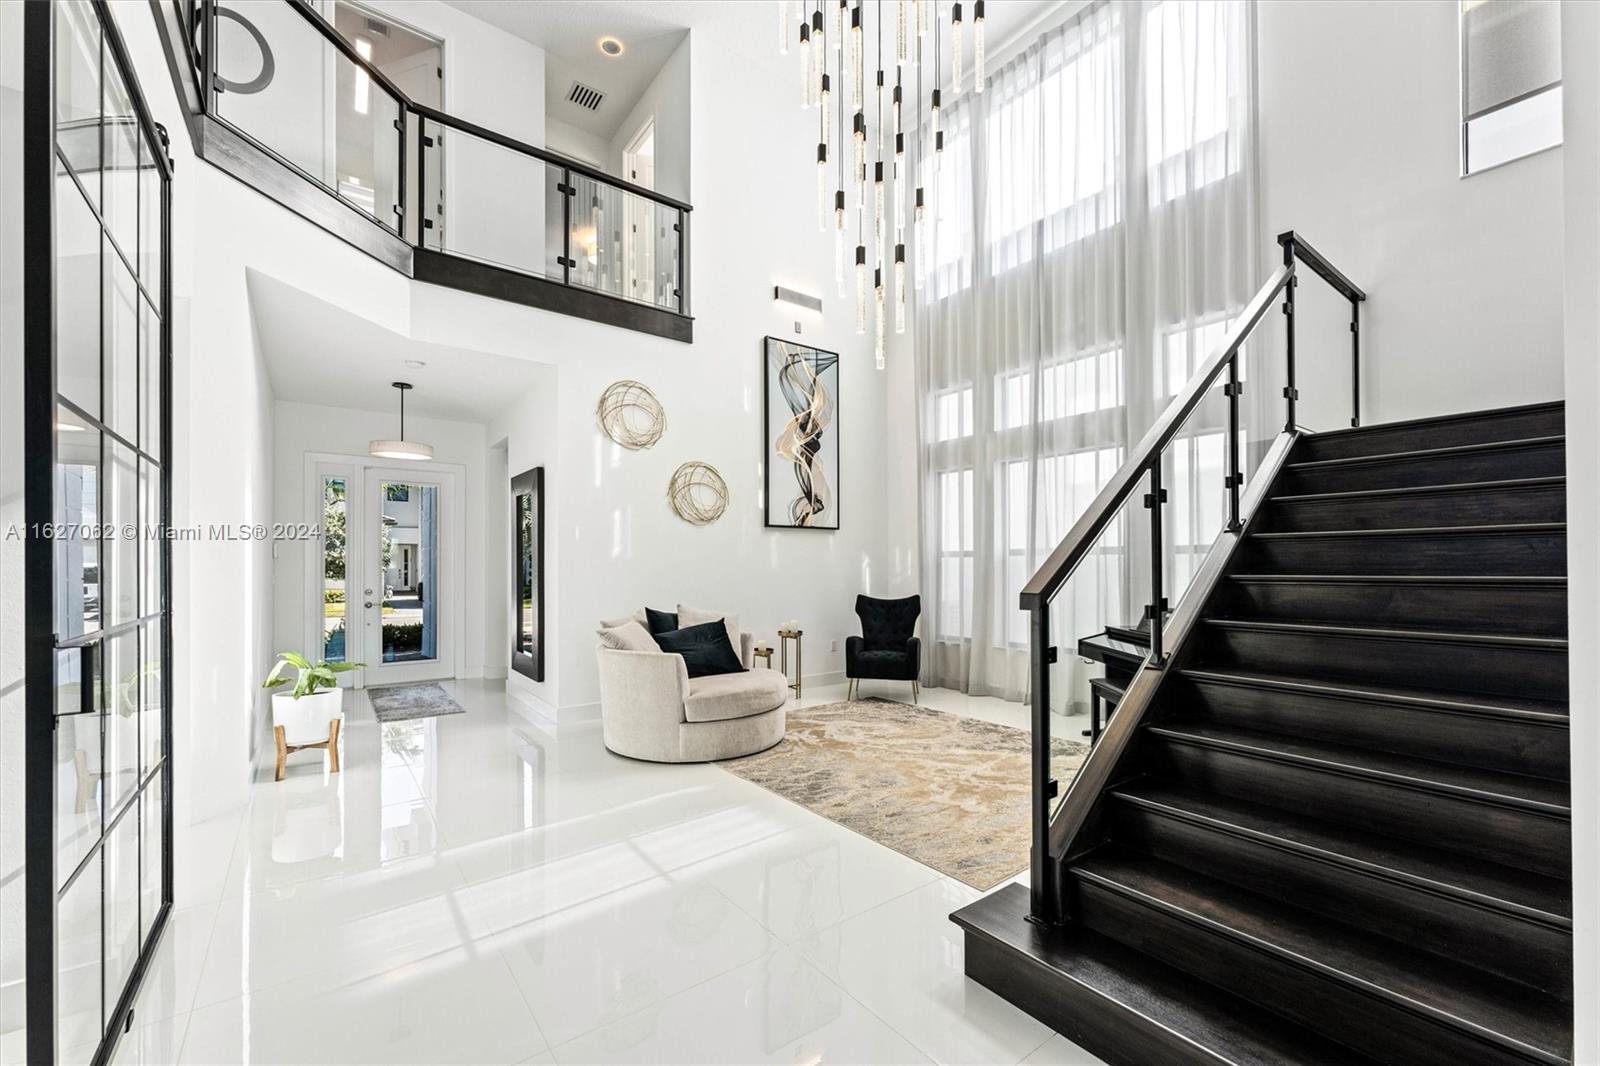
{"x": 478, "y": 889}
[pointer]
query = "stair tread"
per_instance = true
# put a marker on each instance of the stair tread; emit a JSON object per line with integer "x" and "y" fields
{"x": 1406, "y": 579}
{"x": 1420, "y": 531}
{"x": 1546, "y": 711}
{"x": 1504, "y": 888}
{"x": 1487, "y": 786}
{"x": 1389, "y": 633}
{"x": 1487, "y": 414}
{"x": 1423, "y": 490}
{"x": 1495, "y": 1009}
{"x": 1425, "y": 453}
{"x": 1229, "y": 1028}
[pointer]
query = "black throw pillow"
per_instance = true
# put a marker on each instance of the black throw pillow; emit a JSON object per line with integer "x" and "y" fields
{"x": 659, "y": 622}
{"x": 705, "y": 649}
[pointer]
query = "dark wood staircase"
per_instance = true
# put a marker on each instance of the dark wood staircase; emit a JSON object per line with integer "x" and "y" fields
{"x": 1341, "y": 831}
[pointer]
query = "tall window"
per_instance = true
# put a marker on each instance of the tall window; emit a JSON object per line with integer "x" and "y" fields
{"x": 98, "y": 889}
{"x": 1094, "y": 234}
{"x": 1510, "y": 80}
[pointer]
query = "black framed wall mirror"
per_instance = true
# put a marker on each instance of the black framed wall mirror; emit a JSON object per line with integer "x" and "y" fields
{"x": 527, "y": 573}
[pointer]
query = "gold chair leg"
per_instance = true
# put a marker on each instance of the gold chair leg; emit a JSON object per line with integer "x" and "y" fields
{"x": 283, "y": 750}
{"x": 333, "y": 746}
{"x": 916, "y": 692}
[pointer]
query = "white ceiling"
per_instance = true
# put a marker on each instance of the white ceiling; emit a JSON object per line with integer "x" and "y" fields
{"x": 321, "y": 354}
{"x": 569, "y": 32}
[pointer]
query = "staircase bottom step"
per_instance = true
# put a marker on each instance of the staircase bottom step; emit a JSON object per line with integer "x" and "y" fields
{"x": 1120, "y": 1004}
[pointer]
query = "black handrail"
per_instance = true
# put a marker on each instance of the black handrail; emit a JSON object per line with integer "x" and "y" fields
{"x": 1145, "y": 462}
{"x": 337, "y": 39}
{"x": 198, "y": 18}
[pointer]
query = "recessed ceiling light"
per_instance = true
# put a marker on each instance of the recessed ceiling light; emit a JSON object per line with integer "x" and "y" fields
{"x": 611, "y": 46}
{"x": 415, "y": 364}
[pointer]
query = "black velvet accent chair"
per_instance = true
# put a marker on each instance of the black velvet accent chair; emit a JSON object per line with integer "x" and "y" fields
{"x": 887, "y": 649}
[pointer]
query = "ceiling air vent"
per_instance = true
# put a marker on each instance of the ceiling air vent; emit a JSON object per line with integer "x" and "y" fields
{"x": 377, "y": 27}
{"x": 585, "y": 97}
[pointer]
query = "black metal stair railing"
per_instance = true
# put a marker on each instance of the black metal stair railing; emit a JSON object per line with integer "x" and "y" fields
{"x": 622, "y": 242}
{"x": 1054, "y": 830}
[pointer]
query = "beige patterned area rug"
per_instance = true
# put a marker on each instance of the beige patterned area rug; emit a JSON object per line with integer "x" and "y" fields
{"x": 948, "y": 791}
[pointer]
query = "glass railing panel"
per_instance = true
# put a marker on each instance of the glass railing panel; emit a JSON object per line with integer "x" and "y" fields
{"x": 280, "y": 82}
{"x": 491, "y": 203}
{"x": 624, "y": 244}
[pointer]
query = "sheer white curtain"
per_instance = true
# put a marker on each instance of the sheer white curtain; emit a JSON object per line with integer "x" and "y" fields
{"x": 1095, "y": 227}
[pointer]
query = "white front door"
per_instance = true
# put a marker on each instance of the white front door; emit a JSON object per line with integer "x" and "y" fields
{"x": 408, "y": 569}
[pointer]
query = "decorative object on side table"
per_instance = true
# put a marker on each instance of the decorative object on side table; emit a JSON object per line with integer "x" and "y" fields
{"x": 308, "y": 715}
{"x": 630, "y": 415}
{"x": 801, "y": 435}
{"x": 697, "y": 493}
{"x": 790, "y": 631}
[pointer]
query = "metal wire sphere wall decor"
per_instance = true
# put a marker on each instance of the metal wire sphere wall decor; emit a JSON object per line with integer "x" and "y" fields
{"x": 697, "y": 493}
{"x": 631, "y": 415}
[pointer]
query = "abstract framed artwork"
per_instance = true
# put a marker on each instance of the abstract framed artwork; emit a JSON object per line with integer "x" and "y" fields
{"x": 800, "y": 435}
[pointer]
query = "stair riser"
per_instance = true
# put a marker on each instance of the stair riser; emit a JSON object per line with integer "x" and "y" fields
{"x": 1484, "y": 507}
{"x": 1480, "y": 429}
{"x": 1509, "y": 610}
{"x": 1093, "y": 1022}
{"x": 1534, "y": 672}
{"x": 1507, "y": 745}
{"x": 1506, "y": 944}
{"x": 1545, "y": 460}
{"x": 1525, "y": 839}
{"x": 1366, "y": 1023}
{"x": 1514, "y": 554}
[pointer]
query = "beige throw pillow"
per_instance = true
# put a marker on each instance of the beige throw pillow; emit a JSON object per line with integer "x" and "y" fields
{"x": 629, "y": 636}
{"x": 614, "y": 623}
{"x": 694, "y": 616}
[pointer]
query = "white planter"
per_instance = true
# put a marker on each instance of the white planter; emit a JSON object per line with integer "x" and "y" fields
{"x": 305, "y": 720}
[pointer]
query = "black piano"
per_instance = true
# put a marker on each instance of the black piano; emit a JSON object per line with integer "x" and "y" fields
{"x": 1120, "y": 649}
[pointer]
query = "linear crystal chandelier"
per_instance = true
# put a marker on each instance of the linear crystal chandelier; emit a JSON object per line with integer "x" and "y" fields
{"x": 903, "y": 52}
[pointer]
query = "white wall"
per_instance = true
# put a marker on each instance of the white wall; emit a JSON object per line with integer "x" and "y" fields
{"x": 1580, "y": 55}
{"x": 299, "y": 429}
{"x": 667, "y": 101}
{"x": 569, "y": 140}
{"x": 1359, "y": 119}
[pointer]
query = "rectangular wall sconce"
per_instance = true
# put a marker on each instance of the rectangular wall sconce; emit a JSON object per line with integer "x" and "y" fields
{"x": 799, "y": 299}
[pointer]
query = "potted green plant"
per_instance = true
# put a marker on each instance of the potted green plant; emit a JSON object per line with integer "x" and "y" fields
{"x": 308, "y": 715}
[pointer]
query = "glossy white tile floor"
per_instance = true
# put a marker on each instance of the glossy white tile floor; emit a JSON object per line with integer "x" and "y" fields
{"x": 479, "y": 889}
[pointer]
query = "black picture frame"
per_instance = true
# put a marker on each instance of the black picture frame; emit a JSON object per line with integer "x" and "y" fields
{"x": 774, "y": 351}
{"x": 527, "y": 572}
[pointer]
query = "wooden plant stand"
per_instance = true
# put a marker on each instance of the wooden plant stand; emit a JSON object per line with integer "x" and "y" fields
{"x": 285, "y": 749}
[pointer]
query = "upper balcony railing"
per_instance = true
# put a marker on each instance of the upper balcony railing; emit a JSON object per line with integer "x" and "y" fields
{"x": 463, "y": 197}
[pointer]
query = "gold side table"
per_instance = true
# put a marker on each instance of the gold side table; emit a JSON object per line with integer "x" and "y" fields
{"x": 764, "y": 653}
{"x": 784, "y": 637}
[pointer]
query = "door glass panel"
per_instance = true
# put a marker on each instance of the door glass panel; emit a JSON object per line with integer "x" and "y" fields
{"x": 119, "y": 679}
{"x": 78, "y": 985}
{"x": 78, "y": 792}
{"x": 149, "y": 216}
{"x": 151, "y": 741}
{"x": 409, "y": 548}
{"x": 119, "y": 578}
{"x": 335, "y": 583}
{"x": 77, "y": 91}
{"x": 149, "y": 379}
{"x": 78, "y": 513}
{"x": 150, "y": 537}
{"x": 120, "y": 188}
{"x": 122, "y": 903}
{"x": 121, "y": 348}
{"x": 77, "y": 299}
{"x": 151, "y": 830}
